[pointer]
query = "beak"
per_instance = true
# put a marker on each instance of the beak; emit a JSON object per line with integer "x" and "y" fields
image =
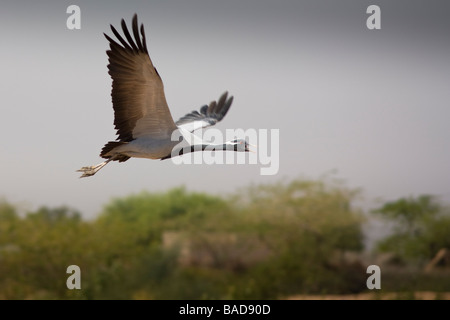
{"x": 252, "y": 145}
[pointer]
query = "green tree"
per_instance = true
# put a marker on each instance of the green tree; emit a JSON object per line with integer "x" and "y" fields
{"x": 262, "y": 242}
{"x": 421, "y": 227}
{"x": 308, "y": 225}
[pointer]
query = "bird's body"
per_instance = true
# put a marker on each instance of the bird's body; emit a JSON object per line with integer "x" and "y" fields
{"x": 142, "y": 118}
{"x": 148, "y": 148}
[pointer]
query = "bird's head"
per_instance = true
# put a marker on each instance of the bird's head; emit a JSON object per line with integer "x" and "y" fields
{"x": 239, "y": 145}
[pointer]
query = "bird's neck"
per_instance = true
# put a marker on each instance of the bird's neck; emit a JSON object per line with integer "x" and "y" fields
{"x": 202, "y": 147}
{"x": 213, "y": 147}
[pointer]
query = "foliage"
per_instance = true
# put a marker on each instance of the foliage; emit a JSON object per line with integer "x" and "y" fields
{"x": 264, "y": 242}
{"x": 422, "y": 227}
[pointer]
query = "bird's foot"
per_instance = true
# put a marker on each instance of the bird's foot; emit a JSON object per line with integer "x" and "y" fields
{"x": 91, "y": 170}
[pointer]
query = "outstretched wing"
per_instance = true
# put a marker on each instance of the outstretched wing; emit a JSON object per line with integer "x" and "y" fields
{"x": 208, "y": 115}
{"x": 140, "y": 107}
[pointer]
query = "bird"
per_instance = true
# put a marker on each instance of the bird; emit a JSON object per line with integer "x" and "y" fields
{"x": 142, "y": 119}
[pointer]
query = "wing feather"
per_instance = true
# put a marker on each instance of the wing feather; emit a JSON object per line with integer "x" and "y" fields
{"x": 140, "y": 106}
{"x": 208, "y": 116}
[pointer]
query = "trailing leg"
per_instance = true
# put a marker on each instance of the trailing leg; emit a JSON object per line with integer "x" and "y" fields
{"x": 91, "y": 170}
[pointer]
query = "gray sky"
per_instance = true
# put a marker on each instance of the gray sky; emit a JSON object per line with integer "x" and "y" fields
{"x": 370, "y": 105}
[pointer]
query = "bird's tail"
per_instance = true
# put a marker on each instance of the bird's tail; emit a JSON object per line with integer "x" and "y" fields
{"x": 107, "y": 153}
{"x": 110, "y": 146}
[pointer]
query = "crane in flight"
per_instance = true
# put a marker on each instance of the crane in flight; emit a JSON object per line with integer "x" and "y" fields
{"x": 142, "y": 119}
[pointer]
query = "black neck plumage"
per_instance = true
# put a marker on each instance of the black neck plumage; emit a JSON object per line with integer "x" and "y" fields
{"x": 201, "y": 147}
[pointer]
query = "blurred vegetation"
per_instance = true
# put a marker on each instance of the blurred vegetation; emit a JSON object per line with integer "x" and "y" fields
{"x": 264, "y": 242}
{"x": 421, "y": 228}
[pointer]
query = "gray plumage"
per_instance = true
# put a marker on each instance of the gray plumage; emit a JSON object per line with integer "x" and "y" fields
{"x": 142, "y": 118}
{"x": 208, "y": 115}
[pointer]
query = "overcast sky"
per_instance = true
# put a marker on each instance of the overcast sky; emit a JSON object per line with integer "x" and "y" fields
{"x": 370, "y": 105}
